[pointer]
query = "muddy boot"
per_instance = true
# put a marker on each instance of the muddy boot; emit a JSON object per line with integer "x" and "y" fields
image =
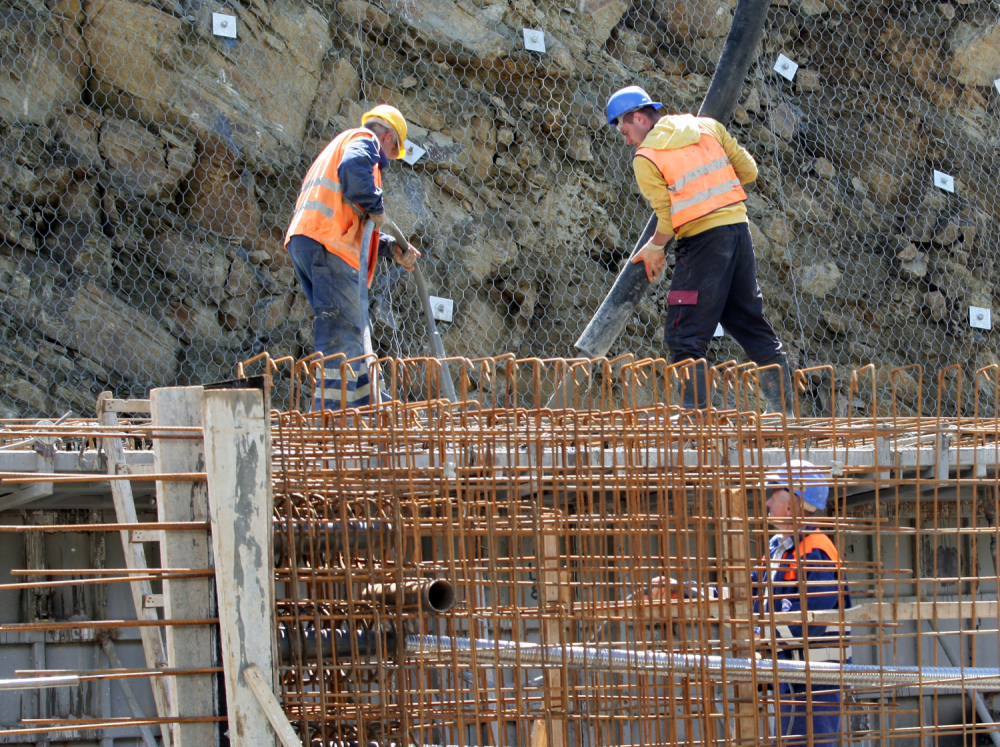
{"x": 776, "y": 386}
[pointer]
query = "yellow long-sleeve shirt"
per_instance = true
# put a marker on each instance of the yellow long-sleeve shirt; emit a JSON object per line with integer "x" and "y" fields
{"x": 678, "y": 131}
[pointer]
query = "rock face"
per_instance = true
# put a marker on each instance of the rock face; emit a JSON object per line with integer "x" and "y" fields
{"x": 698, "y": 18}
{"x": 149, "y": 168}
{"x": 142, "y": 164}
{"x": 79, "y": 313}
{"x": 819, "y": 280}
{"x": 975, "y": 57}
{"x": 452, "y": 29}
{"x": 256, "y": 93}
{"x": 45, "y": 66}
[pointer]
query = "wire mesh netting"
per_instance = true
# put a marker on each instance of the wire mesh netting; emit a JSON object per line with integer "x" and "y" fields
{"x": 150, "y": 161}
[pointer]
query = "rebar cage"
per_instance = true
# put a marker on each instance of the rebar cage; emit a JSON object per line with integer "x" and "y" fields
{"x": 150, "y": 162}
{"x": 468, "y": 573}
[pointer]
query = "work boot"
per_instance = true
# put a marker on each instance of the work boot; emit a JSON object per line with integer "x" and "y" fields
{"x": 776, "y": 385}
{"x": 694, "y": 393}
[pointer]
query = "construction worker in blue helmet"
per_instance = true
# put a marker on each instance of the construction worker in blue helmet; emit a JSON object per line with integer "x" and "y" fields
{"x": 692, "y": 172}
{"x": 802, "y": 572}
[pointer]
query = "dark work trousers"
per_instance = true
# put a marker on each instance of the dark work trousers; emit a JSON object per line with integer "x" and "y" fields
{"x": 338, "y": 295}
{"x": 801, "y": 704}
{"x": 715, "y": 280}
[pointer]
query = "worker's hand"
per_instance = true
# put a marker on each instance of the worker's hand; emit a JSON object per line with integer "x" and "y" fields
{"x": 407, "y": 259}
{"x": 654, "y": 259}
{"x": 661, "y": 589}
{"x": 380, "y": 219}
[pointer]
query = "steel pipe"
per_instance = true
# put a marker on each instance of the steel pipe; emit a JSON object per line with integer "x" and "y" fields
{"x": 432, "y": 596}
{"x": 513, "y": 653}
{"x": 659, "y": 663}
{"x": 40, "y": 683}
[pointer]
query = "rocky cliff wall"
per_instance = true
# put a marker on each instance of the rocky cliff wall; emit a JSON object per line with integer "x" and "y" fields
{"x": 148, "y": 169}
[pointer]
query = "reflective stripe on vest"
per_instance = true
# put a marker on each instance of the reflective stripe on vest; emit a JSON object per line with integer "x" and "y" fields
{"x": 322, "y": 213}
{"x": 699, "y": 176}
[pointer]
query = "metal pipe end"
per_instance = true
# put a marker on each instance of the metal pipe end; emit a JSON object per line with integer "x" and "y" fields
{"x": 432, "y": 596}
{"x": 439, "y": 596}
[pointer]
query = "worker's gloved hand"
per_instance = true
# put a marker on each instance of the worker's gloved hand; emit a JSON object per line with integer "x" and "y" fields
{"x": 407, "y": 259}
{"x": 654, "y": 259}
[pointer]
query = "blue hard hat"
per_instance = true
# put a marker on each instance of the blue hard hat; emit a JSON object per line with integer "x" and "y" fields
{"x": 628, "y": 99}
{"x": 803, "y": 479}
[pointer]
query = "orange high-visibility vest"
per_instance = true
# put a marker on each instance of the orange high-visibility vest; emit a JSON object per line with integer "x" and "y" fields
{"x": 321, "y": 212}
{"x": 699, "y": 176}
{"x": 812, "y": 541}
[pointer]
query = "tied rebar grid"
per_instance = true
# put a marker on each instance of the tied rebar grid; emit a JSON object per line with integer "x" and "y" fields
{"x": 561, "y": 529}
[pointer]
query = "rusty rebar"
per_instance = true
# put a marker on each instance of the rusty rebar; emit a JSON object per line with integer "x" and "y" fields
{"x": 87, "y": 675}
{"x": 26, "y": 478}
{"x": 105, "y": 580}
{"x": 102, "y": 624}
{"x": 109, "y": 571}
{"x": 553, "y": 524}
{"x": 167, "y": 526}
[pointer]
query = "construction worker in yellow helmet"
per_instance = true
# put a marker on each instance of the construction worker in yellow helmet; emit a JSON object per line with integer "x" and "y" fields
{"x": 341, "y": 192}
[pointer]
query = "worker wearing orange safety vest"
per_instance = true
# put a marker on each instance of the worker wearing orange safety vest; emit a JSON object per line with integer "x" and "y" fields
{"x": 692, "y": 172}
{"x": 802, "y": 573}
{"x": 335, "y": 265}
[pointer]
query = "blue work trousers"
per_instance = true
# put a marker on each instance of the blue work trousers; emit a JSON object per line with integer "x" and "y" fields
{"x": 798, "y": 705}
{"x": 338, "y": 295}
{"x": 715, "y": 280}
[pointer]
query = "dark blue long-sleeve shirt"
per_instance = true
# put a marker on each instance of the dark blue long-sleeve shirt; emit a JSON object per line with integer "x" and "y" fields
{"x": 357, "y": 181}
{"x": 824, "y": 590}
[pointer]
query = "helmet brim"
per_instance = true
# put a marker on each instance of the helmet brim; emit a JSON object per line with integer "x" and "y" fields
{"x": 654, "y": 104}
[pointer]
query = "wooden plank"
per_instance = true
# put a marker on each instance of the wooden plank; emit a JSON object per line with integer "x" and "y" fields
{"x": 191, "y": 599}
{"x": 133, "y": 702}
{"x": 891, "y": 612}
{"x": 135, "y": 559}
{"x": 554, "y": 589}
{"x": 238, "y": 462}
{"x": 127, "y": 405}
{"x": 272, "y": 708}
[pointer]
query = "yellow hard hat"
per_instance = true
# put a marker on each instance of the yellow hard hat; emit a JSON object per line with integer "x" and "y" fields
{"x": 391, "y": 115}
